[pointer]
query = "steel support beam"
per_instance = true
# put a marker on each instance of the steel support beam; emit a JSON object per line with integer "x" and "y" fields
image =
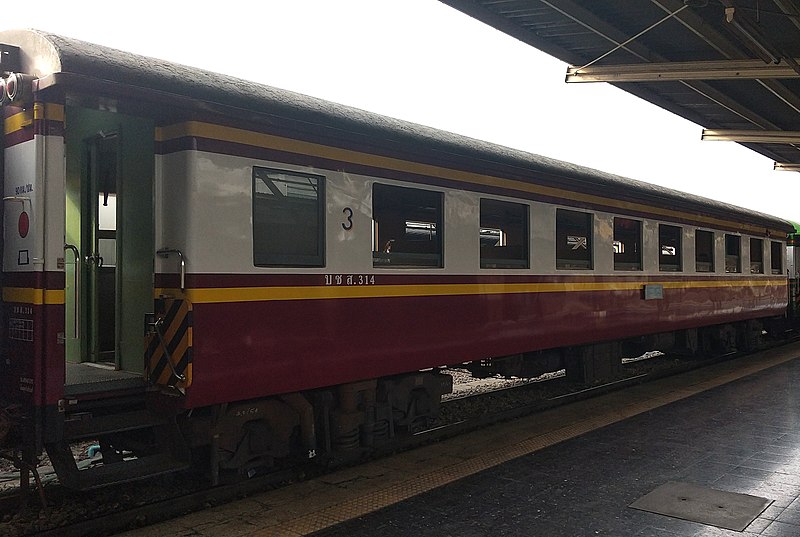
{"x": 752, "y": 136}
{"x": 786, "y": 167}
{"x": 672, "y": 71}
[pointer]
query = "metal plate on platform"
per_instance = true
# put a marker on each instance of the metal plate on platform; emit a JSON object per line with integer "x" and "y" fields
{"x": 705, "y": 505}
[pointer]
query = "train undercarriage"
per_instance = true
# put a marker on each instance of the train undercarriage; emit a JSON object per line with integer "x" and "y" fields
{"x": 601, "y": 362}
{"x": 146, "y": 434}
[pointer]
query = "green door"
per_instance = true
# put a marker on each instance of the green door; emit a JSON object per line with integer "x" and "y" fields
{"x": 110, "y": 224}
{"x": 100, "y": 254}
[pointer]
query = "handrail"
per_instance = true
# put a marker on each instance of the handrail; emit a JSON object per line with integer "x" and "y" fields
{"x": 77, "y": 276}
{"x": 164, "y": 252}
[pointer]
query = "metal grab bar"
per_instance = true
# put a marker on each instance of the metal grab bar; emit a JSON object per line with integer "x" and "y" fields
{"x": 164, "y": 252}
{"x": 77, "y": 276}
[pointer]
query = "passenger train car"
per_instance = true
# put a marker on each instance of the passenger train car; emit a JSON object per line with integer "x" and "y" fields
{"x": 197, "y": 267}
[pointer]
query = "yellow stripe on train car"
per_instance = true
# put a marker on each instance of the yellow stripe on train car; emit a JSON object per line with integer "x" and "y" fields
{"x": 260, "y": 294}
{"x": 37, "y": 297}
{"x": 211, "y": 131}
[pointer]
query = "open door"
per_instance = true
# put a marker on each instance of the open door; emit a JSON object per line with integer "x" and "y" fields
{"x": 109, "y": 231}
{"x": 100, "y": 255}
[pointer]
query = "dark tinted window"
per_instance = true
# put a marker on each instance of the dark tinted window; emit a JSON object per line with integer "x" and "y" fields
{"x": 407, "y": 227}
{"x": 669, "y": 240}
{"x": 733, "y": 249}
{"x": 573, "y": 239}
{"x": 288, "y": 218}
{"x": 704, "y": 251}
{"x": 776, "y": 257}
{"x": 756, "y": 256}
{"x": 627, "y": 244}
{"x": 503, "y": 234}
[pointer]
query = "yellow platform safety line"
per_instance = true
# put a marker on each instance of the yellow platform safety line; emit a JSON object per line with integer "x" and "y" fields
{"x": 176, "y": 332}
{"x": 354, "y": 492}
{"x": 314, "y": 505}
{"x": 320, "y": 292}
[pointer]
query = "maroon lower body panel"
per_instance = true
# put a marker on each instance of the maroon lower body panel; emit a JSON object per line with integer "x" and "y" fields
{"x": 252, "y": 349}
{"x": 32, "y": 372}
{"x": 33, "y": 369}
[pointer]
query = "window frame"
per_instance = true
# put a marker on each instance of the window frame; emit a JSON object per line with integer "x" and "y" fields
{"x": 383, "y": 255}
{"x": 266, "y": 260}
{"x": 759, "y": 268}
{"x": 663, "y": 266}
{"x": 521, "y": 261}
{"x": 712, "y": 263}
{"x": 780, "y": 247}
{"x": 626, "y": 265}
{"x": 738, "y": 256}
{"x": 563, "y": 263}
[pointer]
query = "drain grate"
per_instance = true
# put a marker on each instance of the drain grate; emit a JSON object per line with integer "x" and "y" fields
{"x": 713, "y": 507}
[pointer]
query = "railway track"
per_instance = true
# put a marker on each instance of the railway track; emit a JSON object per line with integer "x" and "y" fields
{"x": 109, "y": 511}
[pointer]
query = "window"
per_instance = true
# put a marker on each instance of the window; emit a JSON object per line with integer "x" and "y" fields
{"x": 406, "y": 227}
{"x": 704, "y": 251}
{"x": 756, "y": 256}
{"x": 573, "y": 240}
{"x": 669, "y": 240}
{"x": 627, "y": 244}
{"x": 776, "y": 257}
{"x": 733, "y": 248}
{"x": 107, "y": 228}
{"x": 503, "y": 234}
{"x": 288, "y": 218}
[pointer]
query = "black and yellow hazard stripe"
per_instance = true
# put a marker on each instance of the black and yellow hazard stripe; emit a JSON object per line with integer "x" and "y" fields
{"x": 175, "y": 344}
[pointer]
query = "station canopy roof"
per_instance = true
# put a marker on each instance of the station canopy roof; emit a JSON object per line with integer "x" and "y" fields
{"x": 730, "y": 66}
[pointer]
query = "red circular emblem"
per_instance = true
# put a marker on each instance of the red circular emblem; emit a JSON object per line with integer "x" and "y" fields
{"x": 24, "y": 224}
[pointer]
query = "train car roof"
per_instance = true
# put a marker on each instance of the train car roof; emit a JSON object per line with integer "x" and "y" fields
{"x": 62, "y": 61}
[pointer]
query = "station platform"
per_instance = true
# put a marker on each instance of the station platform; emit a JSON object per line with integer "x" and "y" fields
{"x": 713, "y": 452}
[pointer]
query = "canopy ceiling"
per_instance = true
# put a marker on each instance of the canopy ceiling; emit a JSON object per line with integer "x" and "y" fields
{"x": 730, "y": 66}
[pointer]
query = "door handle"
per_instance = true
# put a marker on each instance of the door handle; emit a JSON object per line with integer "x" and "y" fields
{"x": 94, "y": 259}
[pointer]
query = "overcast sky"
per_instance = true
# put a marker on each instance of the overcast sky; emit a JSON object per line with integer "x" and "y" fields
{"x": 422, "y": 61}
